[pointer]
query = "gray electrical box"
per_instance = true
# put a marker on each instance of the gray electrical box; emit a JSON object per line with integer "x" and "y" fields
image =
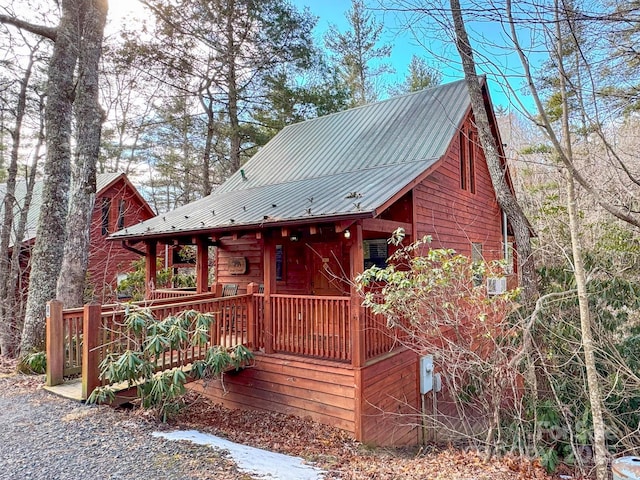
{"x": 426, "y": 374}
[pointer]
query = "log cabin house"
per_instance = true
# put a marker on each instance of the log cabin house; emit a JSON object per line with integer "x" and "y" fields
{"x": 118, "y": 204}
{"x": 293, "y": 227}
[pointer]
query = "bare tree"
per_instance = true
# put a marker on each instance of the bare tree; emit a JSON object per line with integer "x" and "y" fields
{"x": 9, "y": 207}
{"x": 71, "y": 281}
{"x": 497, "y": 165}
{"x": 46, "y": 258}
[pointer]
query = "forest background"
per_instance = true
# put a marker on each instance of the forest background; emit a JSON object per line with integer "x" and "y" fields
{"x": 180, "y": 99}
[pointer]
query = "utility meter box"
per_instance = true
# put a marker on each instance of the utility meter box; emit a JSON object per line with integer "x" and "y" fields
{"x": 426, "y": 374}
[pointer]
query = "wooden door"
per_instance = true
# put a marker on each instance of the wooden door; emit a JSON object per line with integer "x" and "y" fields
{"x": 328, "y": 277}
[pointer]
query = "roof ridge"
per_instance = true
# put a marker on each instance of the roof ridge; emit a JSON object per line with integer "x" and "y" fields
{"x": 377, "y": 102}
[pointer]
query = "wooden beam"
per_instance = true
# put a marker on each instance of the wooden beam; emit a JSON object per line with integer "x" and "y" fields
{"x": 385, "y": 226}
{"x": 342, "y": 225}
{"x": 151, "y": 268}
{"x": 90, "y": 351}
{"x": 202, "y": 265}
{"x": 55, "y": 343}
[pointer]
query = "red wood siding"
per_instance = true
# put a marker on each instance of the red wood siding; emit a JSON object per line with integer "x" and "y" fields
{"x": 321, "y": 390}
{"x": 455, "y": 217}
{"x": 326, "y": 392}
{"x": 390, "y": 400}
{"x": 107, "y": 258}
{"x": 302, "y": 261}
{"x": 247, "y": 246}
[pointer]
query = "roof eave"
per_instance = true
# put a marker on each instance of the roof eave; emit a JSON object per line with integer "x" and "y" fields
{"x": 243, "y": 227}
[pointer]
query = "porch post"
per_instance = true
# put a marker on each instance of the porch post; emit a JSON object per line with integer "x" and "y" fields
{"x": 151, "y": 268}
{"x": 202, "y": 265}
{"x": 269, "y": 287}
{"x": 356, "y": 257}
{"x": 55, "y": 343}
{"x": 358, "y": 346}
{"x": 90, "y": 353}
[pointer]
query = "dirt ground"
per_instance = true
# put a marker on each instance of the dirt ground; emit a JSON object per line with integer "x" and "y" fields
{"x": 329, "y": 448}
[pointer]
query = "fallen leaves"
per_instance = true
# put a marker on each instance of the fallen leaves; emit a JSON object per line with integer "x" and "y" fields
{"x": 344, "y": 458}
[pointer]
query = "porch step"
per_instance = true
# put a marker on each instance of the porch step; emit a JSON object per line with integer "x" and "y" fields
{"x": 71, "y": 389}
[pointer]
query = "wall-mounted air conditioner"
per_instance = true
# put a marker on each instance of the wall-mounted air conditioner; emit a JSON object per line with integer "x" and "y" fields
{"x": 496, "y": 285}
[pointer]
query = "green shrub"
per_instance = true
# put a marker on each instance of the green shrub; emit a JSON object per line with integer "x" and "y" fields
{"x": 141, "y": 363}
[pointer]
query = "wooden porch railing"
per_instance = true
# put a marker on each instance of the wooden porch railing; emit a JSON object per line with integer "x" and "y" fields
{"x": 379, "y": 339}
{"x": 173, "y": 293}
{"x": 314, "y": 326}
{"x": 83, "y": 337}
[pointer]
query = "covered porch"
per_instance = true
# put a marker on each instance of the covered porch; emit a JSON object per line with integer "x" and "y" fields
{"x": 293, "y": 303}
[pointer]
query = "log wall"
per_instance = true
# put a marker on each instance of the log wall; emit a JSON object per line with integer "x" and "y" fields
{"x": 247, "y": 246}
{"x": 321, "y": 390}
{"x": 456, "y": 217}
{"x": 390, "y": 400}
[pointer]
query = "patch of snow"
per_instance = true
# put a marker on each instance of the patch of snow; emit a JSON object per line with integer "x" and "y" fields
{"x": 255, "y": 461}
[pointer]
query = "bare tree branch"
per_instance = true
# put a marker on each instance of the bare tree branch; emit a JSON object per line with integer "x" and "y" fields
{"x": 47, "y": 32}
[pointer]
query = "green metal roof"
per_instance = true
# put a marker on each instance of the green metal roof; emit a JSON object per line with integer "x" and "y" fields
{"x": 345, "y": 164}
{"x": 102, "y": 181}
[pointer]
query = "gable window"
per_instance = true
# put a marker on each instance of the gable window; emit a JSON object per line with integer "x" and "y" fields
{"x": 463, "y": 161}
{"x": 121, "y": 207}
{"x": 472, "y": 159}
{"x": 105, "y": 214}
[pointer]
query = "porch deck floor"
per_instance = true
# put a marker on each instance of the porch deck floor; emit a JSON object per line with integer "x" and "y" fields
{"x": 71, "y": 389}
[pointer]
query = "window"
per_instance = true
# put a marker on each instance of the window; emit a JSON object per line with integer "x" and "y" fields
{"x": 472, "y": 172}
{"x": 476, "y": 259}
{"x": 106, "y": 211}
{"x": 463, "y": 161}
{"x": 508, "y": 257}
{"x": 121, "y": 207}
{"x": 375, "y": 252}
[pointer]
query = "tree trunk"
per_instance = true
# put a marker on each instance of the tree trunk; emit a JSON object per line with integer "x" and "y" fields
{"x": 8, "y": 336}
{"x": 46, "y": 257}
{"x": 71, "y": 282}
{"x": 232, "y": 95}
{"x": 506, "y": 199}
{"x": 593, "y": 380}
{"x": 15, "y": 303}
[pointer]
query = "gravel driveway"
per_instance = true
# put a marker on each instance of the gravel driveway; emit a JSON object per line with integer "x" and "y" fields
{"x": 46, "y": 437}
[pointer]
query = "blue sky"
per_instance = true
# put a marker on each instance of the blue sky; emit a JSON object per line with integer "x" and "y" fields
{"x": 405, "y": 44}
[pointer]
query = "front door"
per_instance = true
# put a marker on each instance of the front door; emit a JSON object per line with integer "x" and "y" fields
{"x": 328, "y": 277}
